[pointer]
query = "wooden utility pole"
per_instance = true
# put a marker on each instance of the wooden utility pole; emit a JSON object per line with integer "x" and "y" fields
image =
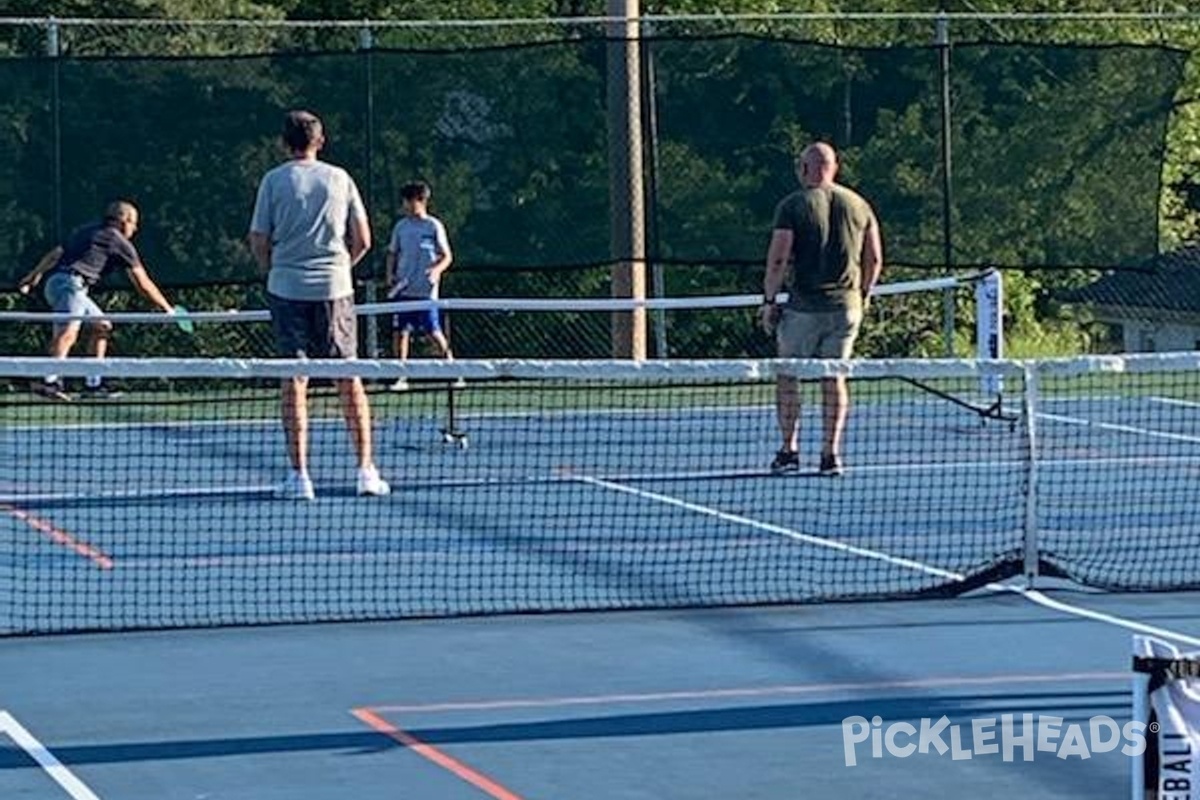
{"x": 626, "y": 193}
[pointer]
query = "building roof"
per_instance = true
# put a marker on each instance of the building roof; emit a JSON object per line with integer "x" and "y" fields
{"x": 1170, "y": 282}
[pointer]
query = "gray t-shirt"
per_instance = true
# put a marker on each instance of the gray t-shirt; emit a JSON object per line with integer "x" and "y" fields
{"x": 305, "y": 208}
{"x": 418, "y": 243}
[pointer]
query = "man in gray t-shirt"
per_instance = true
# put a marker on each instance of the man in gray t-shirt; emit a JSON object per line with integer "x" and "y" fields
{"x": 308, "y": 230}
{"x": 308, "y": 207}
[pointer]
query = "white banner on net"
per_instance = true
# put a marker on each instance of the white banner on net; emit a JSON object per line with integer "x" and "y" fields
{"x": 1166, "y": 699}
{"x": 989, "y": 327}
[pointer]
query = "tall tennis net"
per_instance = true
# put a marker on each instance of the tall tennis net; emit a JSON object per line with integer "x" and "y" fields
{"x": 572, "y": 485}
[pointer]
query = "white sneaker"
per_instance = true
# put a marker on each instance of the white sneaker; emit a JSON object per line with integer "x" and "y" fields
{"x": 460, "y": 383}
{"x": 298, "y": 486}
{"x": 401, "y": 385}
{"x": 369, "y": 482}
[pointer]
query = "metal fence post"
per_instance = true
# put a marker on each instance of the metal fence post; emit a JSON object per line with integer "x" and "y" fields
{"x": 942, "y": 40}
{"x": 650, "y": 109}
{"x": 54, "y": 51}
{"x": 366, "y": 44}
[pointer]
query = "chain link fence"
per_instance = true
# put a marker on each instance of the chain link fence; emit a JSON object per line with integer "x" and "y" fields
{"x": 508, "y": 121}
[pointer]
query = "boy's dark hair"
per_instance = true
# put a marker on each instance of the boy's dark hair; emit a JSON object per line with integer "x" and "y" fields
{"x": 415, "y": 190}
{"x": 301, "y": 130}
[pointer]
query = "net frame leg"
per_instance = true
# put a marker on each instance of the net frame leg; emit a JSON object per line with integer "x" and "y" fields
{"x": 994, "y": 411}
{"x": 451, "y": 432}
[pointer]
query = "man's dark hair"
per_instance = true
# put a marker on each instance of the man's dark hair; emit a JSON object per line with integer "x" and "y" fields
{"x": 301, "y": 130}
{"x": 415, "y": 190}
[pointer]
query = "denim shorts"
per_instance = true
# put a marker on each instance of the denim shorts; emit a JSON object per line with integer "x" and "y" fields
{"x": 67, "y": 293}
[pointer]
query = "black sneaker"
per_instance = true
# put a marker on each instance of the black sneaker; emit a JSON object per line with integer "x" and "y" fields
{"x": 785, "y": 461}
{"x": 51, "y": 390}
{"x": 100, "y": 392}
{"x": 831, "y": 466}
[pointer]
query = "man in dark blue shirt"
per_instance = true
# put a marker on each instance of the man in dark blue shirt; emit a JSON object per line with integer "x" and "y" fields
{"x": 90, "y": 253}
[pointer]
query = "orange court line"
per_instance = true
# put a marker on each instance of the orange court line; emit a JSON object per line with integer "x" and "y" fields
{"x": 436, "y": 756}
{"x": 59, "y": 536}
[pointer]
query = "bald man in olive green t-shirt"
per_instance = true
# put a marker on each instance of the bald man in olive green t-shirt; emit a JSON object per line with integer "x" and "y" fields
{"x": 831, "y": 237}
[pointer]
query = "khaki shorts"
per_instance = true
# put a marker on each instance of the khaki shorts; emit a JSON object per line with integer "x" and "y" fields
{"x": 818, "y": 334}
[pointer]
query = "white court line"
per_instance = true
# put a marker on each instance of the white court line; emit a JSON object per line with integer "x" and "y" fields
{"x": 958, "y": 466}
{"x": 1172, "y": 401}
{"x": 1112, "y": 426}
{"x": 168, "y": 424}
{"x": 799, "y": 536}
{"x": 745, "y": 473}
{"x": 857, "y": 687}
{"x": 45, "y": 759}
{"x": 164, "y": 493}
{"x": 883, "y": 469}
{"x": 1032, "y": 595}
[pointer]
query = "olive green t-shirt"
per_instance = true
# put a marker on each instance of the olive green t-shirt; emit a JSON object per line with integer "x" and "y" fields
{"x": 828, "y": 226}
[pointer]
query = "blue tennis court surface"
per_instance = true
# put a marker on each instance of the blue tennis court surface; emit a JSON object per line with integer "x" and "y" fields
{"x": 669, "y": 508}
{"x": 622, "y": 508}
{"x": 686, "y": 704}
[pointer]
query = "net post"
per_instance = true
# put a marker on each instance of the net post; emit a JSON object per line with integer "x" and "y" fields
{"x": 989, "y": 328}
{"x": 626, "y": 194}
{"x": 1141, "y": 713}
{"x": 1030, "y": 411}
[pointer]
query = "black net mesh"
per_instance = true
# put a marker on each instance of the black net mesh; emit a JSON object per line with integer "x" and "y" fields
{"x": 539, "y": 486}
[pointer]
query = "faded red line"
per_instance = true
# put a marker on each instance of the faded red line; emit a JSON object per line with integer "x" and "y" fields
{"x": 61, "y": 537}
{"x": 436, "y": 756}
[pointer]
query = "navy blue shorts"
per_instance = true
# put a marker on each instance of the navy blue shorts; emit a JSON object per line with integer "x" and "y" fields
{"x": 426, "y": 320}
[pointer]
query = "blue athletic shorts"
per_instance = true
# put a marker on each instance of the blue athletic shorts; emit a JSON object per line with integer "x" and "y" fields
{"x": 426, "y": 321}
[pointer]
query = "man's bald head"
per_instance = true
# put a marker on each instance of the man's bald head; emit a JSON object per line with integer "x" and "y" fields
{"x": 120, "y": 211}
{"x": 122, "y": 215}
{"x": 817, "y": 165}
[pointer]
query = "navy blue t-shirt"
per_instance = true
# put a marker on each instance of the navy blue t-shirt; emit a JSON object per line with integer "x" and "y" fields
{"x": 95, "y": 250}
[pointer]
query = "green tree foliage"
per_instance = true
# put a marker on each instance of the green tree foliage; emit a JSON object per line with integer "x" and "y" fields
{"x": 1056, "y": 150}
